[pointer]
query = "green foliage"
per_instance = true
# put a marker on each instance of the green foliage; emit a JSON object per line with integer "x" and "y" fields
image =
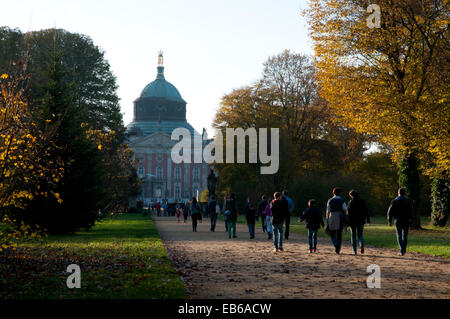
{"x": 440, "y": 194}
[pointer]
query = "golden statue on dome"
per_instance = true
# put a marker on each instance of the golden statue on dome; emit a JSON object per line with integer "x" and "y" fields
{"x": 160, "y": 58}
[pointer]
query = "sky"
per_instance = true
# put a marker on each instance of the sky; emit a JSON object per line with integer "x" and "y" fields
{"x": 210, "y": 47}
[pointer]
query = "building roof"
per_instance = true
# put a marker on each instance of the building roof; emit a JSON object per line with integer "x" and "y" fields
{"x": 167, "y": 127}
{"x": 160, "y": 88}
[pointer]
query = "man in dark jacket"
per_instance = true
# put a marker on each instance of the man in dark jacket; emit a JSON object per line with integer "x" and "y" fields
{"x": 314, "y": 220}
{"x": 357, "y": 217}
{"x": 250, "y": 217}
{"x": 401, "y": 210}
{"x": 278, "y": 217}
{"x": 232, "y": 218}
{"x": 212, "y": 212}
{"x": 261, "y": 208}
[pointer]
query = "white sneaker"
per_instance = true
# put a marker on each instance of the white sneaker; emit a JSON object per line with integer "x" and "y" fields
{"x": 275, "y": 250}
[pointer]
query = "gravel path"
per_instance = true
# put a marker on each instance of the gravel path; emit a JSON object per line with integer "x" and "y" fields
{"x": 213, "y": 266}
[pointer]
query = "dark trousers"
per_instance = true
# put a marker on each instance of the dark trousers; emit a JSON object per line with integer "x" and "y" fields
{"x": 251, "y": 230}
{"x": 312, "y": 238}
{"x": 286, "y": 231}
{"x": 336, "y": 238}
{"x": 402, "y": 235}
{"x": 357, "y": 230}
{"x": 213, "y": 221}
{"x": 195, "y": 218}
{"x": 263, "y": 222}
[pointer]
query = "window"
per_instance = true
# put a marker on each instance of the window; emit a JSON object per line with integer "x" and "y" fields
{"x": 177, "y": 173}
{"x": 159, "y": 172}
{"x": 196, "y": 173}
{"x": 141, "y": 172}
{"x": 177, "y": 192}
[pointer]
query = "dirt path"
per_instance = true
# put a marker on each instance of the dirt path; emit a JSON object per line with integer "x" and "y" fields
{"x": 214, "y": 266}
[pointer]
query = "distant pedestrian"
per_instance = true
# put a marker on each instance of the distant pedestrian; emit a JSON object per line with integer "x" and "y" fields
{"x": 261, "y": 209}
{"x": 196, "y": 213}
{"x": 231, "y": 212}
{"x": 358, "y": 215}
{"x": 185, "y": 212}
{"x": 165, "y": 206}
{"x": 178, "y": 213}
{"x": 268, "y": 214}
{"x": 278, "y": 217}
{"x": 224, "y": 210}
{"x": 212, "y": 212}
{"x": 289, "y": 210}
{"x": 250, "y": 216}
{"x": 158, "y": 209}
{"x": 314, "y": 221}
{"x": 401, "y": 211}
{"x": 336, "y": 209}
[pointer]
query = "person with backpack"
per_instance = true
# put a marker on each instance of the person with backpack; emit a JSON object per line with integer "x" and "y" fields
{"x": 358, "y": 215}
{"x": 196, "y": 213}
{"x": 336, "y": 209}
{"x": 261, "y": 209}
{"x": 250, "y": 216}
{"x": 231, "y": 215}
{"x": 313, "y": 221}
{"x": 401, "y": 211}
{"x": 288, "y": 210}
{"x": 212, "y": 212}
{"x": 278, "y": 216}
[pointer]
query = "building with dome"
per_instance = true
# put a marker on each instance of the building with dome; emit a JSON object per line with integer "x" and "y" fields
{"x": 157, "y": 112}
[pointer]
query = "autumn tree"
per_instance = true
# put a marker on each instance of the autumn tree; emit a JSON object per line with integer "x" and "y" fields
{"x": 390, "y": 82}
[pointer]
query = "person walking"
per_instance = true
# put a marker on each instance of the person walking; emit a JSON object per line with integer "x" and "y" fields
{"x": 278, "y": 217}
{"x": 185, "y": 210}
{"x": 336, "y": 208}
{"x": 401, "y": 210}
{"x": 196, "y": 213}
{"x": 288, "y": 209}
{"x": 212, "y": 212}
{"x": 231, "y": 211}
{"x": 261, "y": 209}
{"x": 313, "y": 221}
{"x": 268, "y": 214}
{"x": 250, "y": 216}
{"x": 178, "y": 212}
{"x": 358, "y": 215}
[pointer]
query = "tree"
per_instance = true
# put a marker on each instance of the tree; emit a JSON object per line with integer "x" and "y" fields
{"x": 392, "y": 81}
{"x": 78, "y": 194}
{"x": 440, "y": 201}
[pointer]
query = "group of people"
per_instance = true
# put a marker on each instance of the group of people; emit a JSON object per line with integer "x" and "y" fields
{"x": 276, "y": 215}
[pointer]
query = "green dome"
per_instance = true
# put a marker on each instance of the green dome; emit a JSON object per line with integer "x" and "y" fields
{"x": 160, "y": 88}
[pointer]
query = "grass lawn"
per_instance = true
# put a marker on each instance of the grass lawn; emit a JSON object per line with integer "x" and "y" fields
{"x": 121, "y": 257}
{"x": 431, "y": 240}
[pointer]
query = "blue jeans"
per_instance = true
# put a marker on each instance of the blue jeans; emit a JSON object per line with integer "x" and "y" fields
{"x": 231, "y": 224}
{"x": 269, "y": 224}
{"x": 213, "y": 221}
{"x": 357, "y": 230}
{"x": 312, "y": 238}
{"x": 402, "y": 236}
{"x": 251, "y": 229}
{"x": 278, "y": 236}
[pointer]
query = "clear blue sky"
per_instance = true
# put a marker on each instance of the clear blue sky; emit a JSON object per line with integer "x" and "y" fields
{"x": 210, "y": 46}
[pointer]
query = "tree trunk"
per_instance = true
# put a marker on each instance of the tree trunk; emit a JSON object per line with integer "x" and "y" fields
{"x": 409, "y": 179}
{"x": 440, "y": 198}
